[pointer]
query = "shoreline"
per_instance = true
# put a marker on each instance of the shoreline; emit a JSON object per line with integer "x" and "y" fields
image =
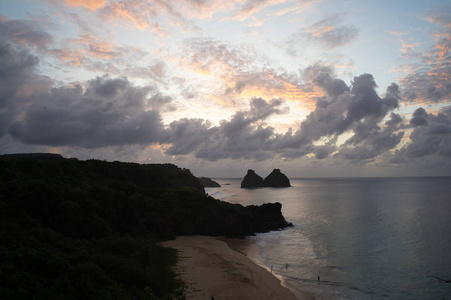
{"x": 219, "y": 268}
{"x": 250, "y": 250}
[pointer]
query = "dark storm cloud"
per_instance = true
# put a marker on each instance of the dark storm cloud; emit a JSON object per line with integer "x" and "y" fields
{"x": 419, "y": 117}
{"x": 395, "y": 119}
{"x": 340, "y": 111}
{"x": 332, "y": 87}
{"x": 356, "y": 109}
{"x": 16, "y": 70}
{"x": 110, "y": 112}
{"x": 242, "y": 136}
{"x": 369, "y": 139}
{"x": 24, "y": 32}
{"x": 17, "y": 81}
{"x": 431, "y": 134}
{"x": 187, "y": 135}
{"x": 367, "y": 144}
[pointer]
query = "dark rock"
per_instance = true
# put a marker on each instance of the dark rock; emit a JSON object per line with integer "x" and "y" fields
{"x": 277, "y": 179}
{"x": 252, "y": 180}
{"x": 267, "y": 217}
{"x": 207, "y": 182}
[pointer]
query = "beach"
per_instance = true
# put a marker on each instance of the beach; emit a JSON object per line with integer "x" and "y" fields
{"x": 212, "y": 269}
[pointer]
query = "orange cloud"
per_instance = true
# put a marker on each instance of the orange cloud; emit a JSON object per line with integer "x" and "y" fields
{"x": 98, "y": 48}
{"x": 252, "y": 7}
{"x": 75, "y": 58}
{"x": 134, "y": 12}
{"x": 89, "y": 4}
{"x": 323, "y": 30}
{"x": 408, "y": 48}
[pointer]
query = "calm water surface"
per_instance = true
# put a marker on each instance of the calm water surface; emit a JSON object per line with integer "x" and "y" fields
{"x": 370, "y": 238}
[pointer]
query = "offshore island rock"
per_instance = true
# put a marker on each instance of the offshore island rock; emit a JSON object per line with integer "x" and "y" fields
{"x": 277, "y": 179}
{"x": 252, "y": 180}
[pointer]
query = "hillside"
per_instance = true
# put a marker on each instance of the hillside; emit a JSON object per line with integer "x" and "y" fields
{"x": 73, "y": 229}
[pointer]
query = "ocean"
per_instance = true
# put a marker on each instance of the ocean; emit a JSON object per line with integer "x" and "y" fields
{"x": 365, "y": 238}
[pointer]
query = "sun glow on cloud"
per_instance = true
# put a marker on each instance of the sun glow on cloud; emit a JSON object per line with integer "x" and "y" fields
{"x": 90, "y": 4}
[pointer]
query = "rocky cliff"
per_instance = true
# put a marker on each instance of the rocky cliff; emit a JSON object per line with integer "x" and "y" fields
{"x": 267, "y": 217}
{"x": 207, "y": 182}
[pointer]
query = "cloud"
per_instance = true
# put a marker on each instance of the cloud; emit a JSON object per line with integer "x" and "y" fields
{"x": 370, "y": 141}
{"x": 356, "y": 110}
{"x": 25, "y": 32}
{"x": 110, "y": 112}
{"x": 431, "y": 134}
{"x": 341, "y": 110}
{"x": 332, "y": 87}
{"x": 253, "y": 9}
{"x": 144, "y": 15}
{"x": 243, "y": 136}
{"x": 427, "y": 79}
{"x": 242, "y": 73}
{"x": 16, "y": 74}
{"x": 91, "y": 48}
{"x": 89, "y": 4}
{"x": 327, "y": 34}
{"x": 187, "y": 135}
{"x": 350, "y": 121}
{"x": 250, "y": 7}
{"x": 419, "y": 117}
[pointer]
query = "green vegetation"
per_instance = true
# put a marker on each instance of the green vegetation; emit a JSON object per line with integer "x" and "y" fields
{"x": 73, "y": 229}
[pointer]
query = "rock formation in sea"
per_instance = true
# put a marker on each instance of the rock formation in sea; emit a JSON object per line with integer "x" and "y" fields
{"x": 277, "y": 179}
{"x": 207, "y": 182}
{"x": 267, "y": 217}
{"x": 252, "y": 180}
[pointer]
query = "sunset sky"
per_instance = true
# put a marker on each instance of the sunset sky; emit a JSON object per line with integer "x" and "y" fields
{"x": 312, "y": 87}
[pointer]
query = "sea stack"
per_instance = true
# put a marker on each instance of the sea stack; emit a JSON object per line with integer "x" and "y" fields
{"x": 252, "y": 180}
{"x": 277, "y": 179}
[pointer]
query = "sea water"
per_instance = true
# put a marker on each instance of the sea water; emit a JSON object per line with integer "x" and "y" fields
{"x": 357, "y": 238}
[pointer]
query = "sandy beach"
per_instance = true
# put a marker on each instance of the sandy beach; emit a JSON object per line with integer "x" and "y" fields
{"x": 211, "y": 268}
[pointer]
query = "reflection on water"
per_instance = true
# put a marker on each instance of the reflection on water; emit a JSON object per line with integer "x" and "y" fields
{"x": 366, "y": 238}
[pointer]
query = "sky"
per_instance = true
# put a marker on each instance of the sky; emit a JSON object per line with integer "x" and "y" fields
{"x": 316, "y": 88}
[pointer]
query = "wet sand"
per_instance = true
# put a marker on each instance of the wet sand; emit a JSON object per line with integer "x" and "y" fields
{"x": 211, "y": 268}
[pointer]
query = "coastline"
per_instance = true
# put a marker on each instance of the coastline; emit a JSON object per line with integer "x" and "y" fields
{"x": 219, "y": 268}
{"x": 251, "y": 250}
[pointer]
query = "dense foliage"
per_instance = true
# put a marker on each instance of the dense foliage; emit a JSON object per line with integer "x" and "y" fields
{"x": 73, "y": 229}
